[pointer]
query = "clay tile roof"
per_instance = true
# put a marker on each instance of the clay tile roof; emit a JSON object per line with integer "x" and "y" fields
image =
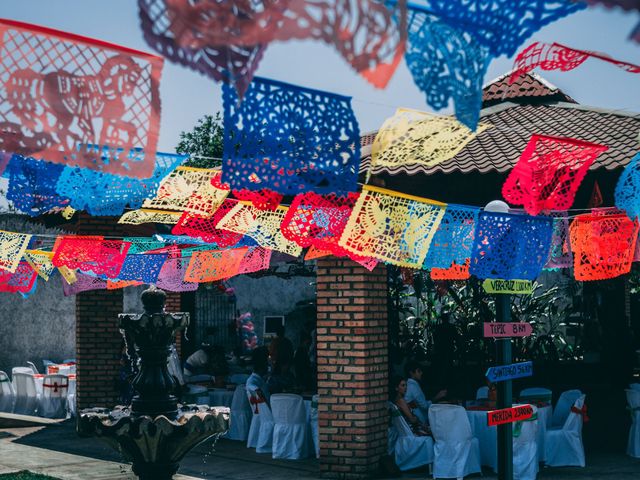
{"x": 499, "y": 148}
{"x": 529, "y": 88}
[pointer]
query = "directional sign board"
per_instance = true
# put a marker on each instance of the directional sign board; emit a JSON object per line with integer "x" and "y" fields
{"x": 508, "y": 415}
{"x": 495, "y": 329}
{"x": 521, "y": 287}
{"x": 509, "y": 372}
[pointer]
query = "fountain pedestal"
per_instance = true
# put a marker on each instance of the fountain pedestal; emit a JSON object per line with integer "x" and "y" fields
{"x": 154, "y": 433}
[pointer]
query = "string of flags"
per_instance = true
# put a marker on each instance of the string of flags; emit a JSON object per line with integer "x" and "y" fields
{"x": 376, "y": 225}
{"x": 79, "y": 124}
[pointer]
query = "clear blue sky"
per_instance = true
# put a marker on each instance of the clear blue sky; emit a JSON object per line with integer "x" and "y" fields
{"x": 186, "y": 95}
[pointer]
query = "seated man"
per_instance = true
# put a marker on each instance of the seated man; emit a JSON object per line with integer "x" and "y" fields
{"x": 414, "y": 396}
{"x": 206, "y": 365}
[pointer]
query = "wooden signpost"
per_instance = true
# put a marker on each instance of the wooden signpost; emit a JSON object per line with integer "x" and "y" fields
{"x": 509, "y": 415}
{"x": 509, "y": 372}
{"x": 496, "y": 330}
{"x": 519, "y": 287}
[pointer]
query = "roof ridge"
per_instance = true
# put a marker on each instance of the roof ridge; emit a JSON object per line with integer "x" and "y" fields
{"x": 534, "y": 75}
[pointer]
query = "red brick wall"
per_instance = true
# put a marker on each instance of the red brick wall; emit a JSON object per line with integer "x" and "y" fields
{"x": 98, "y": 343}
{"x": 352, "y": 367}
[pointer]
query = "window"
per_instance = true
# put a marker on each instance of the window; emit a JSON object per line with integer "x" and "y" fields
{"x": 271, "y": 324}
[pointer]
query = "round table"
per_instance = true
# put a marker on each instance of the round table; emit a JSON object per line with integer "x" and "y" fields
{"x": 220, "y": 397}
{"x": 488, "y": 436}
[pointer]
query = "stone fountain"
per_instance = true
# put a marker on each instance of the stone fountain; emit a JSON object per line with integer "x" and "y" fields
{"x": 154, "y": 432}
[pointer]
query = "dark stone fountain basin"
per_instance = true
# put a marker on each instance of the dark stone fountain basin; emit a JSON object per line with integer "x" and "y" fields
{"x": 155, "y": 445}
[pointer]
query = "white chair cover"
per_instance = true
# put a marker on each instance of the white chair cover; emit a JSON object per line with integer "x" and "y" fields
{"x": 24, "y": 386}
{"x": 313, "y": 419}
{"x": 456, "y": 451}
{"x": 53, "y": 403}
{"x": 633, "y": 445}
{"x": 563, "y": 446}
{"x": 525, "y": 449}
{"x": 634, "y": 386}
{"x": 7, "y": 395}
{"x": 261, "y": 430}
{"x": 27, "y": 370}
{"x": 482, "y": 393}
{"x": 563, "y": 407}
{"x": 238, "y": 378}
{"x": 240, "y": 415}
{"x": 411, "y": 451}
{"x": 33, "y": 367}
{"x": 291, "y": 432}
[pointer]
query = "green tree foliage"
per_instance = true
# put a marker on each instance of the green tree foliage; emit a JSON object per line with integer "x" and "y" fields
{"x": 205, "y": 140}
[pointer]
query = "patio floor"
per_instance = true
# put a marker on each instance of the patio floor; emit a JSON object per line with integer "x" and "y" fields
{"x": 56, "y": 450}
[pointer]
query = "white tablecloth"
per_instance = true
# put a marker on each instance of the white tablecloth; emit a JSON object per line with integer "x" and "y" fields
{"x": 220, "y": 397}
{"x": 488, "y": 436}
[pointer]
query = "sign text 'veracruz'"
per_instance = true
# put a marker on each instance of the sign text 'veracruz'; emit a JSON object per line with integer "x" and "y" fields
{"x": 521, "y": 287}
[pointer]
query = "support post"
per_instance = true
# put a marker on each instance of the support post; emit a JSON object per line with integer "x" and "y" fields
{"x": 505, "y": 392}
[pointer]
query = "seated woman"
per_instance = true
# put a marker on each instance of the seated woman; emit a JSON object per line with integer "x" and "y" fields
{"x": 398, "y": 391}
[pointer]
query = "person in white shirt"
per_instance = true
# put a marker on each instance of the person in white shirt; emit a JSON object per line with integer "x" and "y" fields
{"x": 414, "y": 396}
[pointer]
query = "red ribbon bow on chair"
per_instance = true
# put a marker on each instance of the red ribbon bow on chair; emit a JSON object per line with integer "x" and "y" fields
{"x": 54, "y": 386}
{"x": 256, "y": 401}
{"x": 581, "y": 411}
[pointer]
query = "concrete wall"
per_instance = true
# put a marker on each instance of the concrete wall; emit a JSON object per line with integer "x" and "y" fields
{"x": 41, "y": 326}
{"x": 271, "y": 295}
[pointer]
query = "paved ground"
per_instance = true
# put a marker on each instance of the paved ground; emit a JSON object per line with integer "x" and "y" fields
{"x": 59, "y": 452}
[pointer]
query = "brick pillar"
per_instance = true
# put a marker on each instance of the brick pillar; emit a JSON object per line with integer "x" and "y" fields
{"x": 98, "y": 343}
{"x": 352, "y": 367}
{"x": 98, "y": 338}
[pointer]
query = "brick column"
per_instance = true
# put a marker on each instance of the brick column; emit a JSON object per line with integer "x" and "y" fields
{"x": 352, "y": 367}
{"x": 98, "y": 342}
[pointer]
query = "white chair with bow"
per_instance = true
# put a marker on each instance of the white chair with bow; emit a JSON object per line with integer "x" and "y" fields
{"x": 525, "y": 448}
{"x": 24, "y": 386}
{"x": 7, "y": 395}
{"x": 410, "y": 450}
{"x": 456, "y": 450}
{"x": 260, "y": 434}
{"x": 563, "y": 407}
{"x": 563, "y": 446}
{"x": 633, "y": 444}
{"x": 53, "y": 402}
{"x": 240, "y": 418}
{"x": 291, "y": 431}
